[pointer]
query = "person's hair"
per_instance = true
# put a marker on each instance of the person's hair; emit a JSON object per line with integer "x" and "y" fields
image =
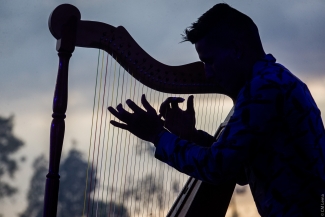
{"x": 224, "y": 23}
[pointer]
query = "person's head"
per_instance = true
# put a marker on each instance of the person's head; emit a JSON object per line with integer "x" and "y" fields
{"x": 228, "y": 42}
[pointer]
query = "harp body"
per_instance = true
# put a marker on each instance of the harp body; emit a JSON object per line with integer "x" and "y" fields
{"x": 197, "y": 198}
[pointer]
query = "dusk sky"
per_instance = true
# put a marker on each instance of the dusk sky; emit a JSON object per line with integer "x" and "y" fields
{"x": 292, "y": 30}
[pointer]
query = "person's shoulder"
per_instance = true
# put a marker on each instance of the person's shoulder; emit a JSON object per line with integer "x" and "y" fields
{"x": 273, "y": 76}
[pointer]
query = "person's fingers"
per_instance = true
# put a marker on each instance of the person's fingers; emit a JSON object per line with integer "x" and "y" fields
{"x": 164, "y": 106}
{"x": 116, "y": 113}
{"x": 190, "y": 104}
{"x": 133, "y": 106}
{"x": 125, "y": 115}
{"x": 162, "y": 121}
{"x": 174, "y": 104}
{"x": 174, "y": 101}
{"x": 121, "y": 110}
{"x": 170, "y": 100}
{"x": 120, "y": 125}
{"x": 146, "y": 104}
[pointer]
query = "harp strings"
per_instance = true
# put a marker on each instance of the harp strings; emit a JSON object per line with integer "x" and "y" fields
{"x": 94, "y": 168}
{"x": 104, "y": 138}
{"x": 91, "y": 136}
{"x": 133, "y": 155}
{"x": 101, "y": 144}
{"x": 117, "y": 152}
{"x": 128, "y": 148}
{"x": 106, "y": 132}
{"x": 123, "y": 178}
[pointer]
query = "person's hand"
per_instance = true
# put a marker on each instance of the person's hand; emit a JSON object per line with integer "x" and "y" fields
{"x": 144, "y": 124}
{"x": 177, "y": 121}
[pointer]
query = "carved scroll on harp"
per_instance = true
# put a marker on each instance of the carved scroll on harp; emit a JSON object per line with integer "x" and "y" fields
{"x": 66, "y": 26}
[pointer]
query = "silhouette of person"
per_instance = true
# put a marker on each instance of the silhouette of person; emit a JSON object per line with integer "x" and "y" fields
{"x": 275, "y": 139}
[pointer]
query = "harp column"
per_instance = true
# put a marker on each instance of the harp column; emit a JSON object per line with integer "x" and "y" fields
{"x": 65, "y": 46}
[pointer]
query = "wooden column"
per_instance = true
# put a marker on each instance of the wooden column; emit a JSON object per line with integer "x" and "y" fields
{"x": 65, "y": 47}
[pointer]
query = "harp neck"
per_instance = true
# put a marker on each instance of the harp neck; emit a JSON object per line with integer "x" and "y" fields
{"x": 184, "y": 79}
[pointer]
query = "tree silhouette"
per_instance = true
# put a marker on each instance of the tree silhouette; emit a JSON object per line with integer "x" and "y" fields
{"x": 9, "y": 144}
{"x": 149, "y": 193}
{"x": 35, "y": 195}
{"x": 71, "y": 194}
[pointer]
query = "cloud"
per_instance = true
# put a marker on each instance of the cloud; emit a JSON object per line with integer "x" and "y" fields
{"x": 294, "y": 32}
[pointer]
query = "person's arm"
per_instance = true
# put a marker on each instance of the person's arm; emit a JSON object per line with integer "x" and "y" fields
{"x": 256, "y": 114}
{"x": 206, "y": 140}
{"x": 202, "y": 138}
{"x": 258, "y": 111}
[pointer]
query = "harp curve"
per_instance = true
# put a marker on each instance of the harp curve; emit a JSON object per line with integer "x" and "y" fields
{"x": 66, "y": 26}
{"x": 184, "y": 79}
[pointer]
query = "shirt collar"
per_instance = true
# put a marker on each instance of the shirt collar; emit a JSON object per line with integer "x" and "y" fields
{"x": 266, "y": 61}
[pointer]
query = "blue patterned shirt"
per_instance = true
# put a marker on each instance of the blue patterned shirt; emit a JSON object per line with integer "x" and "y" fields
{"x": 275, "y": 138}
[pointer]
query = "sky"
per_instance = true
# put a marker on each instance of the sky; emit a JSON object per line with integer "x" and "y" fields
{"x": 292, "y": 30}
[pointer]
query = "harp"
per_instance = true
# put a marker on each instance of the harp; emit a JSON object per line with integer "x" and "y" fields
{"x": 197, "y": 198}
